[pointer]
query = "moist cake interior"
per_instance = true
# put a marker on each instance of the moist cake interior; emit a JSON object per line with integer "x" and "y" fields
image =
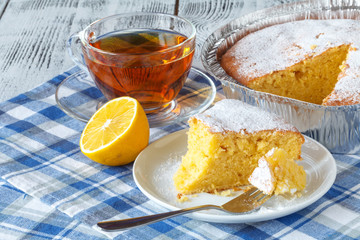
{"x": 225, "y": 144}
{"x": 311, "y": 80}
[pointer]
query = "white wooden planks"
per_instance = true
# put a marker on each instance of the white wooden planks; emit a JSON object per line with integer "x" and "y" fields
{"x": 33, "y": 34}
{"x": 3, "y": 5}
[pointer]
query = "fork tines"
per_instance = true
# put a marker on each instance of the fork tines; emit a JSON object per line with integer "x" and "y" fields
{"x": 256, "y": 196}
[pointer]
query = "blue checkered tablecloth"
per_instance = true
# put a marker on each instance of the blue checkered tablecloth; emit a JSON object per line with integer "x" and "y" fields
{"x": 50, "y": 190}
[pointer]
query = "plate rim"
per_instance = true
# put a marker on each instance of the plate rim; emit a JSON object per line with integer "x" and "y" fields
{"x": 324, "y": 187}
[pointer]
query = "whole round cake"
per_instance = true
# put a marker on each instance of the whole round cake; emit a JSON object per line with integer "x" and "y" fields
{"x": 316, "y": 61}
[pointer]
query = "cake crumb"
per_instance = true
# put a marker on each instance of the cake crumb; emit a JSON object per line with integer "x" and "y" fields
{"x": 317, "y": 36}
{"x": 226, "y": 193}
{"x": 242, "y": 188}
{"x": 352, "y": 48}
{"x": 182, "y": 198}
{"x": 313, "y": 46}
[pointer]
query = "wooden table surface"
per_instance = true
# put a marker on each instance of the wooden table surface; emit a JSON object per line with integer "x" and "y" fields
{"x": 33, "y": 33}
{"x": 33, "y": 36}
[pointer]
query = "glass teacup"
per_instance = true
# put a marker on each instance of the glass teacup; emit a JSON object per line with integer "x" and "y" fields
{"x": 143, "y": 55}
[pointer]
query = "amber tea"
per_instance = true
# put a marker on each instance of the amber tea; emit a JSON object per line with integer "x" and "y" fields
{"x": 148, "y": 65}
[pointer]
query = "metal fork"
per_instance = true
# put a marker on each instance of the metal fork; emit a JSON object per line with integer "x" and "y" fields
{"x": 246, "y": 202}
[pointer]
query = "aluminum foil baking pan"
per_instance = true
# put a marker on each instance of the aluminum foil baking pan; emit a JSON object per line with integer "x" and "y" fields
{"x": 337, "y": 128}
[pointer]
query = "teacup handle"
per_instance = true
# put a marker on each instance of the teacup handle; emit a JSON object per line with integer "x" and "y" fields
{"x": 73, "y": 46}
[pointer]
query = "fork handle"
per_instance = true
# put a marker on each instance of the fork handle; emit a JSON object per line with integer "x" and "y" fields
{"x": 138, "y": 221}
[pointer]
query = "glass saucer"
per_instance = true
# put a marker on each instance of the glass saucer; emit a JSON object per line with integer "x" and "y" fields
{"x": 79, "y": 98}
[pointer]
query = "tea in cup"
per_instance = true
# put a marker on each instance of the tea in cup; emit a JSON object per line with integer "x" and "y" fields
{"x": 146, "y": 56}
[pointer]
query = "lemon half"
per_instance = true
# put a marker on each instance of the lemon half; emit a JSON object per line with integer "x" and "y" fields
{"x": 116, "y": 133}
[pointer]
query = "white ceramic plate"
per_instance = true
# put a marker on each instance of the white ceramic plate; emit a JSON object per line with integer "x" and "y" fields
{"x": 156, "y": 165}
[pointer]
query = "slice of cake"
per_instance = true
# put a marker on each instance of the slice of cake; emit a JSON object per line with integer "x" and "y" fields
{"x": 277, "y": 173}
{"x": 226, "y": 142}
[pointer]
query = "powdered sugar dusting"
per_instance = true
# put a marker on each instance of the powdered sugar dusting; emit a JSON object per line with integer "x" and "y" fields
{"x": 347, "y": 89}
{"x": 263, "y": 177}
{"x": 164, "y": 174}
{"x": 351, "y": 73}
{"x": 280, "y": 46}
{"x": 235, "y": 115}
